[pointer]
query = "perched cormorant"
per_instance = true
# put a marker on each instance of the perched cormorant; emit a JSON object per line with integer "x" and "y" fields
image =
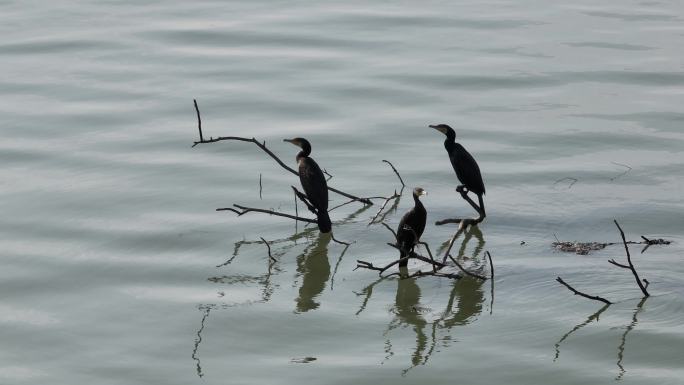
{"x": 313, "y": 182}
{"x": 411, "y": 226}
{"x": 467, "y": 170}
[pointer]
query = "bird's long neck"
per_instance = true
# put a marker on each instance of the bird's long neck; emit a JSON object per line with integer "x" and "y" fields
{"x": 418, "y": 203}
{"x": 306, "y": 151}
{"x": 449, "y": 144}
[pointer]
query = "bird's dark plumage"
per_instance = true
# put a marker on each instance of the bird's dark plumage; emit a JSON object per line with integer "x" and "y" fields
{"x": 411, "y": 226}
{"x": 313, "y": 182}
{"x": 465, "y": 166}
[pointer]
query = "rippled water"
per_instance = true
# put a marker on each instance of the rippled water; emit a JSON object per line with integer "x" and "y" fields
{"x": 111, "y": 240}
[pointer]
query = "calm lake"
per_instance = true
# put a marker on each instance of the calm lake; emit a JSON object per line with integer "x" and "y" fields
{"x": 116, "y": 268}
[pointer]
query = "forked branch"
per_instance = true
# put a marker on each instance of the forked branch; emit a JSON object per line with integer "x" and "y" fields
{"x": 262, "y": 146}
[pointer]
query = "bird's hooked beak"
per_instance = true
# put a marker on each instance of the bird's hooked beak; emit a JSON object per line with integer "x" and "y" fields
{"x": 423, "y": 193}
{"x": 439, "y": 128}
{"x": 295, "y": 142}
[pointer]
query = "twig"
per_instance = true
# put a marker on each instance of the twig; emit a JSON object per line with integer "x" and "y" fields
{"x": 387, "y": 200}
{"x": 390, "y": 229}
{"x": 574, "y": 180}
{"x": 595, "y": 298}
{"x": 326, "y": 173}
{"x": 466, "y": 271}
{"x": 623, "y": 173}
{"x": 199, "y": 121}
{"x": 260, "y": 187}
{"x": 342, "y": 204}
{"x": 629, "y": 261}
{"x": 491, "y": 264}
{"x": 245, "y": 210}
{"x": 305, "y": 199}
{"x": 396, "y": 172}
{"x": 269, "y": 250}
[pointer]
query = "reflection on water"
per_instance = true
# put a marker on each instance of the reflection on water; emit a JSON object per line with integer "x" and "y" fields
{"x": 577, "y": 327}
{"x": 407, "y": 311}
{"x": 462, "y": 307}
{"x": 623, "y": 336}
{"x": 314, "y": 269}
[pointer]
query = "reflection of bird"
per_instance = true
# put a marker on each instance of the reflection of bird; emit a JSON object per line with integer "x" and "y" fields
{"x": 411, "y": 226}
{"x": 408, "y": 310}
{"x": 467, "y": 170}
{"x": 314, "y": 268}
{"x": 313, "y": 182}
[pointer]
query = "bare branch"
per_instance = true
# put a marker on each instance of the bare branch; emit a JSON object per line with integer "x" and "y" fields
{"x": 246, "y": 210}
{"x": 326, "y": 173}
{"x": 396, "y": 172}
{"x": 261, "y": 187}
{"x": 199, "y": 121}
{"x": 618, "y": 264}
{"x": 629, "y": 261}
{"x": 262, "y": 146}
{"x": 387, "y": 200}
{"x": 305, "y": 199}
{"x": 572, "y": 289}
{"x": 390, "y": 229}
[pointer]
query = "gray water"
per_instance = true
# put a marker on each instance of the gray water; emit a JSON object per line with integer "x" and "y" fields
{"x": 111, "y": 242}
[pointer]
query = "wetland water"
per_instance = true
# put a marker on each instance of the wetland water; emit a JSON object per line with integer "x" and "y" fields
{"x": 110, "y": 241}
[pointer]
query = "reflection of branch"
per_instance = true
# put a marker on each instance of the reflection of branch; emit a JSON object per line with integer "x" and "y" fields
{"x": 592, "y": 317}
{"x": 491, "y": 264}
{"x": 623, "y": 339}
{"x": 463, "y": 269}
{"x": 572, "y": 289}
{"x": 198, "y": 340}
{"x": 263, "y": 147}
{"x": 269, "y": 250}
{"x": 332, "y": 277}
{"x": 629, "y": 261}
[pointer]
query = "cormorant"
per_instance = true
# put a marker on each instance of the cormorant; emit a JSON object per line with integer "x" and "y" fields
{"x": 313, "y": 182}
{"x": 467, "y": 170}
{"x": 411, "y": 226}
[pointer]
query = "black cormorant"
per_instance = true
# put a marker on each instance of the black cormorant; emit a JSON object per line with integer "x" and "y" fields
{"x": 467, "y": 170}
{"x": 411, "y": 226}
{"x": 313, "y": 182}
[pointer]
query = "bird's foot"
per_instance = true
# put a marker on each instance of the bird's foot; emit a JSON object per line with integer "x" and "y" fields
{"x": 461, "y": 189}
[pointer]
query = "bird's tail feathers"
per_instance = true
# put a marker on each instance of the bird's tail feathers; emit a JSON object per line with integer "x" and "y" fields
{"x": 324, "y": 224}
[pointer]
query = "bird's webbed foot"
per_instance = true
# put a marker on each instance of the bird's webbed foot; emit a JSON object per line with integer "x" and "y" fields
{"x": 462, "y": 189}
